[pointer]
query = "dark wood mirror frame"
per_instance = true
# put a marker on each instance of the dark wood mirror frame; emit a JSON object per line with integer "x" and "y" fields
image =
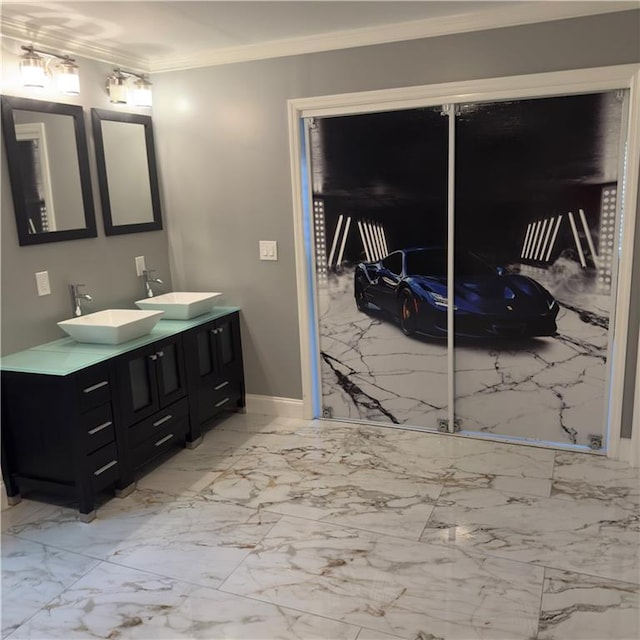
{"x": 97, "y": 117}
{"x": 8, "y": 105}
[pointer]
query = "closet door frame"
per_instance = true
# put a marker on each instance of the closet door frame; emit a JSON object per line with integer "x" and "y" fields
{"x": 507, "y": 88}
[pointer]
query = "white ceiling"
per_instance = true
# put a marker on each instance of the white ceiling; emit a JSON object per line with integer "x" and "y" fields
{"x": 163, "y": 35}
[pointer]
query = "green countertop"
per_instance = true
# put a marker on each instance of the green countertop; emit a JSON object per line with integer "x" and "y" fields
{"x": 66, "y": 355}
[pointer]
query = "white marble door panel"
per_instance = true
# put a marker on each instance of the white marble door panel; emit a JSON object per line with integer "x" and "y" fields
{"x": 379, "y": 186}
{"x": 536, "y": 199}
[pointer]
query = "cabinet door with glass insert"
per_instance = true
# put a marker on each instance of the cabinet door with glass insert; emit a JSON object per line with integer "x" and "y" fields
{"x": 171, "y": 370}
{"x": 136, "y": 375}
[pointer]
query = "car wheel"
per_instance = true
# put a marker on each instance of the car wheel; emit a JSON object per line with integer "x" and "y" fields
{"x": 408, "y": 312}
{"x": 358, "y": 291}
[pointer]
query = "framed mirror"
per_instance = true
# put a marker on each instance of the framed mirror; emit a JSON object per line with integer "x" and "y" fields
{"x": 127, "y": 172}
{"x": 48, "y": 163}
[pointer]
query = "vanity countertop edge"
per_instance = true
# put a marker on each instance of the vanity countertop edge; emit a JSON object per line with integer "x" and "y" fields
{"x": 66, "y": 356}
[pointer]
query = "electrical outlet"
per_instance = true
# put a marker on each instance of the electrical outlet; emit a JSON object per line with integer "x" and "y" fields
{"x": 268, "y": 250}
{"x": 42, "y": 283}
{"x": 140, "y": 267}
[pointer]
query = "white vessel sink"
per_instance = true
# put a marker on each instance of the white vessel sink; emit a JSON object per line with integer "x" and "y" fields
{"x": 181, "y": 305}
{"x": 112, "y": 326}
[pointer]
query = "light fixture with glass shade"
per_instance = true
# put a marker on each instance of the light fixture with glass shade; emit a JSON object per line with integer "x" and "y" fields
{"x": 34, "y": 70}
{"x": 118, "y": 88}
{"x": 142, "y": 92}
{"x": 68, "y": 78}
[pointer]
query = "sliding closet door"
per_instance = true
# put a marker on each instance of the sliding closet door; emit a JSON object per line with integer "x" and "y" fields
{"x": 536, "y": 233}
{"x": 379, "y": 211}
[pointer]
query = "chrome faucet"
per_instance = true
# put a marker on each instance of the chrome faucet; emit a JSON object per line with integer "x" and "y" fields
{"x": 76, "y": 297}
{"x": 149, "y": 280}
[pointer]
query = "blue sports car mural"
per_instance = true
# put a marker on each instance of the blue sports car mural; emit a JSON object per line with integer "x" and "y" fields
{"x": 411, "y": 285}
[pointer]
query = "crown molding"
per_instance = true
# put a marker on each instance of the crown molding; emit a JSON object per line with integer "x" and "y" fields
{"x": 507, "y": 16}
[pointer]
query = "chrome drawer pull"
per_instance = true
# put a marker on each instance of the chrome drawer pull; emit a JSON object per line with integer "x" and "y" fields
{"x": 157, "y": 423}
{"x": 106, "y": 466}
{"x": 100, "y": 427}
{"x": 221, "y": 385}
{"x": 104, "y": 383}
{"x": 163, "y": 440}
{"x": 219, "y": 404}
{"x": 153, "y": 356}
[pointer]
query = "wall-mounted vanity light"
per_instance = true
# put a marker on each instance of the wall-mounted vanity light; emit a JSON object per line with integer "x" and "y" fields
{"x": 118, "y": 88}
{"x": 34, "y": 70}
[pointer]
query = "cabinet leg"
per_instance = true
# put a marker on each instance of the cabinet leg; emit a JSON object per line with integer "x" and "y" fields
{"x": 128, "y": 490}
{"x": 10, "y": 484}
{"x": 196, "y": 443}
{"x": 86, "y": 502}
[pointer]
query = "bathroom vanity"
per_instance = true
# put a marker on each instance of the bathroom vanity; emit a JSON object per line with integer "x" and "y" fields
{"x": 80, "y": 418}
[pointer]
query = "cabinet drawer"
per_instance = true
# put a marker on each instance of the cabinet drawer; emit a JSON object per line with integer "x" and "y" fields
{"x": 97, "y": 427}
{"x": 93, "y": 387}
{"x": 104, "y": 466}
{"x": 164, "y": 439}
{"x": 171, "y": 415}
{"x": 217, "y": 397}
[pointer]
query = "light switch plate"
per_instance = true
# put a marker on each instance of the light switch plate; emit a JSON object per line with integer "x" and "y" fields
{"x": 42, "y": 283}
{"x": 268, "y": 250}
{"x": 140, "y": 266}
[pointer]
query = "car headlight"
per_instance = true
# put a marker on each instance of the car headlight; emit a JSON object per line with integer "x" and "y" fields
{"x": 439, "y": 300}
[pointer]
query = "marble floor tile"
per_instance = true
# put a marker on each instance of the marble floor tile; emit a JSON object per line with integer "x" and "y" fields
{"x": 117, "y": 519}
{"x": 437, "y": 457}
{"x": 411, "y": 590}
{"x": 194, "y": 540}
{"x": 20, "y": 512}
{"x": 584, "y": 535}
{"x": 582, "y": 475}
{"x": 369, "y": 634}
{"x": 117, "y": 602}
{"x": 370, "y": 499}
{"x": 284, "y": 528}
{"x": 588, "y": 608}
{"x": 33, "y": 574}
{"x": 222, "y": 448}
{"x": 177, "y": 481}
{"x": 525, "y": 485}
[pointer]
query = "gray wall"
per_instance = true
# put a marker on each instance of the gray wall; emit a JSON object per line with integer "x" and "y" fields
{"x": 222, "y": 140}
{"x": 104, "y": 264}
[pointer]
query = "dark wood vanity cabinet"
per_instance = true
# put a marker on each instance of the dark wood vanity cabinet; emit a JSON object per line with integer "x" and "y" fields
{"x": 214, "y": 370}
{"x": 59, "y": 435}
{"x": 78, "y": 434}
{"x": 151, "y": 389}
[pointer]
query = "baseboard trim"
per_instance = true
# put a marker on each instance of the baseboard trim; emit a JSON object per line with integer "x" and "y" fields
{"x": 624, "y": 450}
{"x": 274, "y": 406}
